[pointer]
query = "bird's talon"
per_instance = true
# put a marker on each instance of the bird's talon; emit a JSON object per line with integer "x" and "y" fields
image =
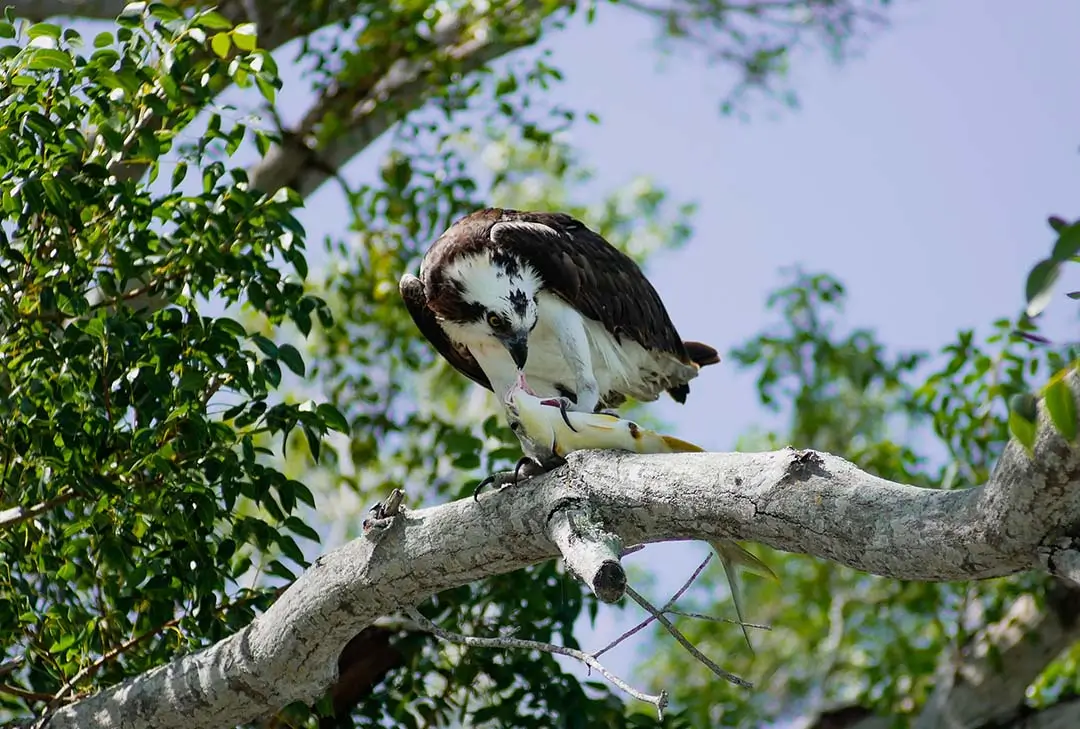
{"x": 563, "y": 404}
{"x": 525, "y": 469}
{"x": 517, "y": 467}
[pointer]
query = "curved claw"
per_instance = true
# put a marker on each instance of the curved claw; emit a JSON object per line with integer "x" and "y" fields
{"x": 563, "y": 404}
{"x": 500, "y": 479}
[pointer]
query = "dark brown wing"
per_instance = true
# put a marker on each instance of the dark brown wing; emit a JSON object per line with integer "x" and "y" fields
{"x": 412, "y": 291}
{"x": 593, "y": 276}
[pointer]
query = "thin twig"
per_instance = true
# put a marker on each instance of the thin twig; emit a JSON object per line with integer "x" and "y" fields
{"x": 14, "y": 663}
{"x": 92, "y": 668}
{"x": 659, "y": 700}
{"x": 667, "y": 608}
{"x": 713, "y": 618}
{"x": 17, "y": 515}
{"x": 686, "y": 643}
{"x": 89, "y": 670}
{"x": 6, "y": 688}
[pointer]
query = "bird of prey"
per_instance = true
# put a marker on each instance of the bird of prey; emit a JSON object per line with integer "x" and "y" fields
{"x": 506, "y": 293}
{"x": 550, "y": 435}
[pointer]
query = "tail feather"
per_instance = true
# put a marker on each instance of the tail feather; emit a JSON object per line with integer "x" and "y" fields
{"x": 701, "y": 354}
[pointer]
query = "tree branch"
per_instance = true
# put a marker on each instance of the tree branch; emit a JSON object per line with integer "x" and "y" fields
{"x": 363, "y": 663}
{"x": 798, "y": 501}
{"x": 283, "y": 20}
{"x": 369, "y": 106}
{"x": 590, "y": 553}
{"x": 986, "y": 684}
{"x": 17, "y": 514}
{"x": 658, "y": 700}
{"x": 38, "y": 10}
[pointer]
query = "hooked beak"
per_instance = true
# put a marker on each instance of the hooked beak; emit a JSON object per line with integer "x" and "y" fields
{"x": 517, "y": 344}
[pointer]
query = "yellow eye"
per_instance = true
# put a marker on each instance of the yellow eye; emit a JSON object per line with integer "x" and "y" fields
{"x": 495, "y": 321}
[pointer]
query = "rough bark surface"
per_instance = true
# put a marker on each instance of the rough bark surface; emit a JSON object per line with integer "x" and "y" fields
{"x": 800, "y": 501}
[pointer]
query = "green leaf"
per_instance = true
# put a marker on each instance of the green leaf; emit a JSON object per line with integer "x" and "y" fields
{"x": 131, "y": 15}
{"x": 272, "y": 372}
{"x": 277, "y": 569}
{"x": 231, "y": 326}
{"x": 265, "y": 345}
{"x": 314, "y": 443}
{"x": 243, "y": 36}
{"x": 179, "y": 173}
{"x": 1068, "y": 244}
{"x": 269, "y": 93}
{"x": 1059, "y": 402}
{"x": 62, "y": 643}
{"x": 298, "y": 527}
{"x": 212, "y": 20}
{"x": 48, "y": 30}
{"x": 1025, "y": 405}
{"x": 7, "y": 30}
{"x": 1040, "y": 285}
{"x": 332, "y": 417}
{"x": 221, "y": 43}
{"x": 1023, "y": 430}
{"x": 165, "y": 13}
{"x": 49, "y": 59}
{"x": 292, "y": 359}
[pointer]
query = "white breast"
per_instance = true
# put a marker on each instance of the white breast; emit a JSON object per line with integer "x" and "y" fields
{"x": 618, "y": 366}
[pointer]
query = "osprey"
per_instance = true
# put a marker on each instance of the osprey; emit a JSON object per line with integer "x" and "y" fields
{"x": 509, "y": 297}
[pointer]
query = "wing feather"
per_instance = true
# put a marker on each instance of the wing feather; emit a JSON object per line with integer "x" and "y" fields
{"x": 593, "y": 276}
{"x": 412, "y": 291}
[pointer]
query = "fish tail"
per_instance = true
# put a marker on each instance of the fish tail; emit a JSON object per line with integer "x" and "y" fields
{"x": 680, "y": 446}
{"x": 731, "y": 554}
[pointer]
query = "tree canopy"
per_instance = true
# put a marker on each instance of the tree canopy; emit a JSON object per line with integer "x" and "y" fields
{"x": 190, "y": 416}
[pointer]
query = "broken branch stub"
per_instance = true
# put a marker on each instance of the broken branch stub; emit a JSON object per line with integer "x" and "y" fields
{"x": 589, "y": 551}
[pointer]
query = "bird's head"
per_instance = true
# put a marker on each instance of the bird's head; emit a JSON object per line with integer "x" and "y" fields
{"x": 497, "y": 295}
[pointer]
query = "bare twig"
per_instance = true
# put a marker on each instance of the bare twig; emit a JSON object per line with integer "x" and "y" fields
{"x": 17, "y": 515}
{"x": 10, "y": 666}
{"x": 667, "y": 608}
{"x": 23, "y": 693}
{"x": 91, "y": 669}
{"x": 659, "y": 700}
{"x": 713, "y": 618}
{"x": 731, "y": 677}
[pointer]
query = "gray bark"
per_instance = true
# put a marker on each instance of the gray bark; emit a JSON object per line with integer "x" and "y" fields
{"x": 799, "y": 501}
{"x": 986, "y": 683}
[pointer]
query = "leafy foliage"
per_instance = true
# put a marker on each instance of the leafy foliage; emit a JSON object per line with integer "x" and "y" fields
{"x": 131, "y": 430}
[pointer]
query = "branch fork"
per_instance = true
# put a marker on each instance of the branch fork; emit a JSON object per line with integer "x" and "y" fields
{"x": 590, "y": 552}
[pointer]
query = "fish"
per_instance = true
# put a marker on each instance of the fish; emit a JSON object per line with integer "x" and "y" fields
{"x": 549, "y": 432}
{"x": 563, "y": 431}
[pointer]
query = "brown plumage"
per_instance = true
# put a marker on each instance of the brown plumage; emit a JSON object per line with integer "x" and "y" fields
{"x": 584, "y": 270}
